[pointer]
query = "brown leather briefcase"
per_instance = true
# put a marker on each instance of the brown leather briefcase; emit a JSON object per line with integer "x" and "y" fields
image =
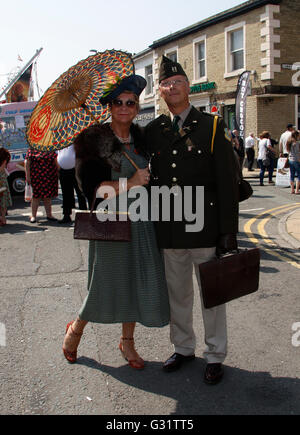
{"x": 229, "y": 277}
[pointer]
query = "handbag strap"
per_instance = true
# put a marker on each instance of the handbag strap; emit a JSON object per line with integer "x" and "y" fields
{"x": 95, "y": 193}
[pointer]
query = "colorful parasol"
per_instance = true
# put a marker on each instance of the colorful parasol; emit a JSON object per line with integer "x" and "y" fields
{"x": 71, "y": 104}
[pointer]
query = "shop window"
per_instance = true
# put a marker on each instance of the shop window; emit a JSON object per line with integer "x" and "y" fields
{"x": 149, "y": 79}
{"x": 229, "y": 116}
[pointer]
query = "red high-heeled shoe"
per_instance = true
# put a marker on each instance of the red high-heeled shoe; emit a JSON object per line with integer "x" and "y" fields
{"x": 134, "y": 363}
{"x": 71, "y": 357}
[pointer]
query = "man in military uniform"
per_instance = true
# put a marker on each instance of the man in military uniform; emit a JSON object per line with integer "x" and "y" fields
{"x": 182, "y": 155}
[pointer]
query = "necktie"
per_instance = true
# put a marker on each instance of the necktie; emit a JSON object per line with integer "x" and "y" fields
{"x": 175, "y": 126}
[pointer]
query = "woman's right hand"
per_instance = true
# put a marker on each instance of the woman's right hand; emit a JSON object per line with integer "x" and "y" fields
{"x": 140, "y": 178}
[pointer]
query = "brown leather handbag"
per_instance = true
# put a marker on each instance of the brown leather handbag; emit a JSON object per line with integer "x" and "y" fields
{"x": 229, "y": 277}
{"x": 88, "y": 225}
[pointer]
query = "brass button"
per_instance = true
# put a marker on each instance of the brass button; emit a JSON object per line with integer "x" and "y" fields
{"x": 199, "y": 151}
{"x": 174, "y": 179}
{"x": 175, "y": 152}
{"x": 174, "y": 165}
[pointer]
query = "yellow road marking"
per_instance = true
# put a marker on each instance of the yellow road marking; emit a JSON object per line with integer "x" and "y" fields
{"x": 261, "y": 231}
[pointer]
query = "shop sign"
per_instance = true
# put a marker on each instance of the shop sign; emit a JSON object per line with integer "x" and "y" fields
{"x": 202, "y": 87}
{"x": 145, "y": 116}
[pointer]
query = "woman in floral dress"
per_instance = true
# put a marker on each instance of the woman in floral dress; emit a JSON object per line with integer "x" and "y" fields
{"x": 42, "y": 173}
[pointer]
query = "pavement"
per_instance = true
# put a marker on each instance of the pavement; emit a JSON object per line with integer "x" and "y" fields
{"x": 289, "y": 225}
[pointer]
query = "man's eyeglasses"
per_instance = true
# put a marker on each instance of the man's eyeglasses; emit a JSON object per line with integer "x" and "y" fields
{"x": 169, "y": 83}
{"x": 128, "y": 103}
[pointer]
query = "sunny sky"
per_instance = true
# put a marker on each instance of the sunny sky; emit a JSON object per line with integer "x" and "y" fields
{"x": 68, "y": 29}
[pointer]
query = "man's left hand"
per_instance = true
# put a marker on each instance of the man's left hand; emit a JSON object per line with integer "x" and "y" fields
{"x": 226, "y": 243}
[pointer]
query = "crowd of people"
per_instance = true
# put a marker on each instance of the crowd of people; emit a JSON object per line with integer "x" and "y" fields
{"x": 267, "y": 153}
{"x": 150, "y": 279}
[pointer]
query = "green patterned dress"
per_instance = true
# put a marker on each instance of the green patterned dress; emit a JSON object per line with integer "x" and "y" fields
{"x": 126, "y": 281}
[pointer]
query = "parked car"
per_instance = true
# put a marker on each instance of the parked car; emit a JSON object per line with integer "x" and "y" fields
{"x": 13, "y": 120}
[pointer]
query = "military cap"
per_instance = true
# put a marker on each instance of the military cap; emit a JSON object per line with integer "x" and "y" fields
{"x": 169, "y": 68}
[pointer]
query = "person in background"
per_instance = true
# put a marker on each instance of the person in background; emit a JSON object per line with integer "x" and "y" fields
{"x": 249, "y": 147}
{"x": 284, "y": 138}
{"x": 293, "y": 148}
{"x": 271, "y": 153}
{"x": 5, "y": 197}
{"x": 239, "y": 147}
{"x": 263, "y": 159}
{"x": 68, "y": 183}
{"x": 182, "y": 155}
{"x": 42, "y": 173}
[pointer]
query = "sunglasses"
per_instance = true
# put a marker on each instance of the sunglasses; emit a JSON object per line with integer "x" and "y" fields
{"x": 128, "y": 103}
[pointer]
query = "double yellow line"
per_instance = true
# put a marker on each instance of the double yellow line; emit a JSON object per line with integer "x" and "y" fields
{"x": 273, "y": 249}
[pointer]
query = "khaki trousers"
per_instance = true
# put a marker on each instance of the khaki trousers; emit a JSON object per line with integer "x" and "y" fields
{"x": 179, "y": 274}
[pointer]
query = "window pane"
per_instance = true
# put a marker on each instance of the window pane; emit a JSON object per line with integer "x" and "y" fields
{"x": 237, "y": 40}
{"x": 202, "y": 68}
{"x": 149, "y": 79}
{"x": 238, "y": 60}
{"x": 201, "y": 51}
{"x": 172, "y": 56}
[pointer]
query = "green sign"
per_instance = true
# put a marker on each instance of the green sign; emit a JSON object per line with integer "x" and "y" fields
{"x": 202, "y": 87}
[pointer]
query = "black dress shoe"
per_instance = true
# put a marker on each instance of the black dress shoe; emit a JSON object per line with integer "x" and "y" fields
{"x": 213, "y": 373}
{"x": 65, "y": 220}
{"x": 175, "y": 362}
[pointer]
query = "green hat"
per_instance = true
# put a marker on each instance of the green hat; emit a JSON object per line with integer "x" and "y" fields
{"x": 168, "y": 68}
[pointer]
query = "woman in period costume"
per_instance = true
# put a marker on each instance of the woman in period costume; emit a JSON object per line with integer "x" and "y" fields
{"x": 126, "y": 282}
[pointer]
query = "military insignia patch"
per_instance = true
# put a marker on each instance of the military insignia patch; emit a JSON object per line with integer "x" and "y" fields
{"x": 227, "y": 134}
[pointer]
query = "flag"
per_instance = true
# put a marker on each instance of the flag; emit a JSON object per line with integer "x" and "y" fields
{"x": 240, "y": 103}
{"x": 20, "y": 90}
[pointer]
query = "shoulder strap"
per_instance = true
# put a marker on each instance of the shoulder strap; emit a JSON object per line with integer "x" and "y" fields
{"x": 214, "y": 132}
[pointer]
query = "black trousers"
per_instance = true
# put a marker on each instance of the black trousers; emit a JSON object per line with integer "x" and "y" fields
{"x": 68, "y": 184}
{"x": 250, "y": 157}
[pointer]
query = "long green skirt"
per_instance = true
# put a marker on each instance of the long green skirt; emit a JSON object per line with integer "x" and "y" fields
{"x": 126, "y": 281}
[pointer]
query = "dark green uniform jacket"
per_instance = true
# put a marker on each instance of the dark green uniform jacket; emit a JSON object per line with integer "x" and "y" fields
{"x": 185, "y": 159}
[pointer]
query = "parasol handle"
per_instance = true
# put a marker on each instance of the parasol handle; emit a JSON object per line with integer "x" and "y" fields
{"x": 131, "y": 161}
{"x": 84, "y": 106}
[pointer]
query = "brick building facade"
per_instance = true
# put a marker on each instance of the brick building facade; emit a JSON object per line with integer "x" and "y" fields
{"x": 260, "y": 36}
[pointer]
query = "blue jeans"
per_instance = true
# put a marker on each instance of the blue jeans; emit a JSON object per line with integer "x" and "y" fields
{"x": 294, "y": 170}
{"x": 263, "y": 168}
